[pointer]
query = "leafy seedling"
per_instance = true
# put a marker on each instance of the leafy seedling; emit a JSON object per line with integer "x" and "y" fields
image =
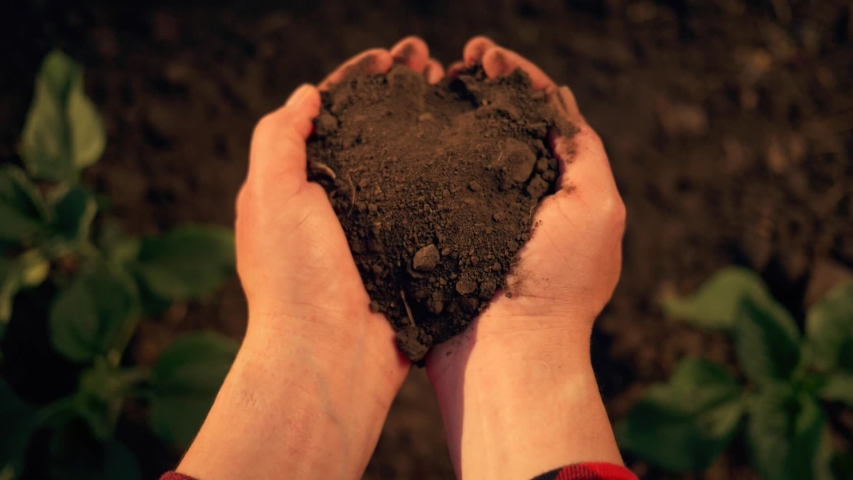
{"x": 684, "y": 424}
{"x": 103, "y": 288}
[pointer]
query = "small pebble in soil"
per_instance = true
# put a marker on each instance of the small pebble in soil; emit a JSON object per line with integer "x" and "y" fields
{"x": 426, "y": 259}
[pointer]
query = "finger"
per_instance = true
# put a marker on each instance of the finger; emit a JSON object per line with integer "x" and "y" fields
{"x": 563, "y": 99}
{"x": 583, "y": 163}
{"x": 411, "y": 52}
{"x": 373, "y": 61}
{"x": 475, "y": 49}
{"x": 498, "y": 61}
{"x": 277, "y": 155}
{"x": 433, "y": 71}
{"x": 454, "y": 68}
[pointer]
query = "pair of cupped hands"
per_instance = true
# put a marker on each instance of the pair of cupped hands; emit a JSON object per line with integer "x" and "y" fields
{"x": 317, "y": 371}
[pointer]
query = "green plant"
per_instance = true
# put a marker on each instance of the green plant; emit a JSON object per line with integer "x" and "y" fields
{"x": 104, "y": 282}
{"x": 684, "y": 424}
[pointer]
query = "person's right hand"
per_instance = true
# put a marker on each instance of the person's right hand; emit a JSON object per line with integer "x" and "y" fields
{"x": 516, "y": 390}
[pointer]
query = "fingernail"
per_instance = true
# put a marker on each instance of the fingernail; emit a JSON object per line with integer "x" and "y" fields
{"x": 404, "y": 53}
{"x": 299, "y": 95}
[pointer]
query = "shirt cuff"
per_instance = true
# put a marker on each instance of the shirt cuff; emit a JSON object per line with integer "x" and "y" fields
{"x": 586, "y": 471}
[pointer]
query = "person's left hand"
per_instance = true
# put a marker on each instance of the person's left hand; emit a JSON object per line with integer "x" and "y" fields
{"x": 320, "y": 368}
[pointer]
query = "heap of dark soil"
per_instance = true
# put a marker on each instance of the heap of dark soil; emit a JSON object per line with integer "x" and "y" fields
{"x": 435, "y": 187}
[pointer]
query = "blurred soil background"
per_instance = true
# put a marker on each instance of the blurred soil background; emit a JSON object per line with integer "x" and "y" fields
{"x": 729, "y": 126}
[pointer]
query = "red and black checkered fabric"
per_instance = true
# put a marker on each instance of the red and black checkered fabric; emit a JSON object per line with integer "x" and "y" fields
{"x": 581, "y": 471}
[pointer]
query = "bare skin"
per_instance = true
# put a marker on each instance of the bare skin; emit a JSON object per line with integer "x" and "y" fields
{"x": 517, "y": 390}
{"x": 317, "y": 371}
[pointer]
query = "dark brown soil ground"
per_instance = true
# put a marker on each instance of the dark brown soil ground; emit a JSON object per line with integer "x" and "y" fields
{"x": 435, "y": 187}
{"x": 729, "y": 127}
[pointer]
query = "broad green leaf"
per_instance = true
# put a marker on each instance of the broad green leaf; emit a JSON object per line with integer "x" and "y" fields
{"x": 22, "y": 209}
{"x": 785, "y": 433}
{"x": 88, "y": 138}
{"x": 187, "y": 262}
{"x": 94, "y": 315}
{"x": 63, "y": 131}
{"x": 32, "y": 267}
{"x": 839, "y": 387}
{"x": 100, "y": 393}
{"x": 684, "y": 424}
{"x": 75, "y": 212}
{"x": 829, "y": 329}
{"x": 187, "y": 377}
{"x": 124, "y": 252}
{"x": 715, "y": 304}
{"x": 17, "y": 424}
{"x": 767, "y": 342}
{"x": 28, "y": 270}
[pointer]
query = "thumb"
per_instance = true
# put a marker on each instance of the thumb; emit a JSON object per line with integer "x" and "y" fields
{"x": 277, "y": 157}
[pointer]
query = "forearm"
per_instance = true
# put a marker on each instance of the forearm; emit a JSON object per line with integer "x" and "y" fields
{"x": 283, "y": 411}
{"x": 525, "y": 412}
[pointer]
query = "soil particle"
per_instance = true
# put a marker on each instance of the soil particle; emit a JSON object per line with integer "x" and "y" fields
{"x": 426, "y": 259}
{"x": 446, "y": 178}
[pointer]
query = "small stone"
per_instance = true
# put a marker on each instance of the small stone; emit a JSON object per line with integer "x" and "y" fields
{"x": 426, "y": 258}
{"x": 488, "y": 288}
{"x": 372, "y": 208}
{"x": 496, "y": 267}
{"x": 466, "y": 286}
{"x": 413, "y": 343}
{"x": 498, "y": 217}
{"x": 474, "y": 186}
{"x": 513, "y": 246}
{"x": 436, "y": 303}
{"x": 542, "y": 165}
{"x": 520, "y": 160}
{"x": 374, "y": 307}
{"x": 424, "y": 117}
{"x": 537, "y": 187}
{"x": 445, "y": 252}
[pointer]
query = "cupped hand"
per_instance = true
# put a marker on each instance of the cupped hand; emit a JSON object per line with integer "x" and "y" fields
{"x": 317, "y": 371}
{"x": 516, "y": 389}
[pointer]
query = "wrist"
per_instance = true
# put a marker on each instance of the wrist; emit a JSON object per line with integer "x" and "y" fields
{"x": 527, "y": 401}
{"x": 288, "y": 401}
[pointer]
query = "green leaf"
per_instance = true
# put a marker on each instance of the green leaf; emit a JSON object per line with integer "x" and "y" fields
{"x": 839, "y": 387}
{"x": 785, "y": 433}
{"x": 187, "y": 262}
{"x": 75, "y": 212}
{"x": 100, "y": 393}
{"x": 187, "y": 377}
{"x": 17, "y": 424}
{"x": 767, "y": 342}
{"x": 829, "y": 329}
{"x": 684, "y": 424}
{"x": 75, "y": 453}
{"x": 715, "y": 304}
{"x": 63, "y": 131}
{"x": 22, "y": 207}
{"x": 95, "y": 315}
{"x": 28, "y": 270}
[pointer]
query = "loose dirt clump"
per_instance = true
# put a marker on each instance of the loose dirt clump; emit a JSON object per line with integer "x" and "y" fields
{"x": 435, "y": 187}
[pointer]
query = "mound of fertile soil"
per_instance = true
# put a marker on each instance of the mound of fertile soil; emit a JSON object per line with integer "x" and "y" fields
{"x": 435, "y": 187}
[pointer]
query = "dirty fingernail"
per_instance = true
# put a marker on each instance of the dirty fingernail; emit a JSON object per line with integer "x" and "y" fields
{"x": 403, "y": 53}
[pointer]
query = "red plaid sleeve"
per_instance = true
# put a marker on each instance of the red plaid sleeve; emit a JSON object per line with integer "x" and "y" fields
{"x": 581, "y": 471}
{"x": 588, "y": 471}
